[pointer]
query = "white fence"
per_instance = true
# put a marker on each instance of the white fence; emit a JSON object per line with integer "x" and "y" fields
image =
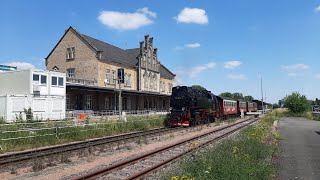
{"x": 24, "y": 130}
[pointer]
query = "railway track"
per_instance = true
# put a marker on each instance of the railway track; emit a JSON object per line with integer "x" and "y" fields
{"x": 142, "y": 165}
{"x": 11, "y": 158}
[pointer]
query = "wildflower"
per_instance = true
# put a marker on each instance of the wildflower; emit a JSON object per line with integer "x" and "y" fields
{"x": 175, "y": 178}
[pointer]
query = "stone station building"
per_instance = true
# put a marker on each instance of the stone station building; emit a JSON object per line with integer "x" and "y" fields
{"x": 91, "y": 69}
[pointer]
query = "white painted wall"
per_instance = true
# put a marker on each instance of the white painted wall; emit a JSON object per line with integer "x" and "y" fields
{"x": 51, "y": 107}
{"x": 3, "y": 106}
{"x": 15, "y": 82}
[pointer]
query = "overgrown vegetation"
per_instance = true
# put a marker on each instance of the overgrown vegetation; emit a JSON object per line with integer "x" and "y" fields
{"x": 237, "y": 95}
{"x": 56, "y": 132}
{"x": 246, "y": 157}
{"x": 296, "y": 103}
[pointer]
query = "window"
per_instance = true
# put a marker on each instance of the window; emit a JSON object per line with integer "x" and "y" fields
{"x": 71, "y": 53}
{"x": 108, "y": 76}
{"x": 125, "y": 79}
{"x": 89, "y": 101}
{"x": 129, "y": 80}
{"x": 39, "y": 79}
{"x": 114, "y": 77}
{"x": 60, "y": 82}
{"x": 54, "y": 81}
{"x": 71, "y": 73}
{"x": 36, "y": 77}
{"x": 43, "y": 79}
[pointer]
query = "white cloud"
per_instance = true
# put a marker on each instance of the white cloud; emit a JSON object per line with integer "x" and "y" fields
{"x": 192, "y": 15}
{"x": 21, "y": 65}
{"x": 317, "y": 9}
{"x": 236, "y": 76}
{"x": 232, "y": 64}
{"x": 126, "y": 21}
{"x": 146, "y": 11}
{"x": 317, "y": 76}
{"x": 182, "y": 73}
{"x": 292, "y": 74}
{"x": 198, "y": 69}
{"x": 192, "y": 45}
{"x": 295, "y": 67}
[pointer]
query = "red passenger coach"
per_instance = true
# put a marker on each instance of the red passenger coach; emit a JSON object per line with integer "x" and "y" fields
{"x": 252, "y": 106}
{"x": 228, "y": 106}
{"x": 242, "y": 105}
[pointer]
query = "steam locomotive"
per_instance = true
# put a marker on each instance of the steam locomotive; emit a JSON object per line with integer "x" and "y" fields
{"x": 190, "y": 107}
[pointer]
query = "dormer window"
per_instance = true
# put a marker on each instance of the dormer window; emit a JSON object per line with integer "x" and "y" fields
{"x": 71, "y": 53}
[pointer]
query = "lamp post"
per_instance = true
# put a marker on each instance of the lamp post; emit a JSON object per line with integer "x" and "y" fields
{"x": 262, "y": 97}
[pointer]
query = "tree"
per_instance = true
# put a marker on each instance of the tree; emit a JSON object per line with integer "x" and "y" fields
{"x": 237, "y": 95}
{"x": 296, "y": 103}
{"x": 248, "y": 98}
{"x": 275, "y": 106}
{"x": 198, "y": 87}
{"x": 226, "y": 94}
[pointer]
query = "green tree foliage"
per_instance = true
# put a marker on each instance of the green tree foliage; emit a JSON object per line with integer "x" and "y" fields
{"x": 198, "y": 87}
{"x": 275, "y": 106}
{"x": 248, "y": 98}
{"x": 226, "y": 94}
{"x": 237, "y": 95}
{"x": 296, "y": 103}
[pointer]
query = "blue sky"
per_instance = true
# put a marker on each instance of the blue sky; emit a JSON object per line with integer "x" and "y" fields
{"x": 221, "y": 45}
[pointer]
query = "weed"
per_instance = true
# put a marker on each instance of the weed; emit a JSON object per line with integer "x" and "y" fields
{"x": 245, "y": 157}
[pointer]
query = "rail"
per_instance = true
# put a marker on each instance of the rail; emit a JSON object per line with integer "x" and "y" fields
{"x": 142, "y": 170}
{"x": 10, "y": 158}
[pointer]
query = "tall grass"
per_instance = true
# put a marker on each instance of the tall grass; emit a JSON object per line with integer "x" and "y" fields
{"x": 246, "y": 157}
{"x": 307, "y": 114}
{"x": 62, "y": 132}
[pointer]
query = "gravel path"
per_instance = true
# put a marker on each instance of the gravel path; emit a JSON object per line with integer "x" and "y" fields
{"x": 300, "y": 149}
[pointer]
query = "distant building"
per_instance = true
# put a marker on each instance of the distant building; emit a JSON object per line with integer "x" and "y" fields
{"x": 91, "y": 69}
{"x": 42, "y": 91}
{"x": 7, "y": 68}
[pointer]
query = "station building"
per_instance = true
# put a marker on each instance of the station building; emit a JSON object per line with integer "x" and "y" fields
{"x": 91, "y": 67}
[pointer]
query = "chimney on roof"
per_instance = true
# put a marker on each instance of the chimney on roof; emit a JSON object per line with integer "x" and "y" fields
{"x": 141, "y": 47}
{"x": 146, "y": 37}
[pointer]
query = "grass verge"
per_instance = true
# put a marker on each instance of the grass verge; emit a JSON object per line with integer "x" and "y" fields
{"x": 249, "y": 156}
{"x": 52, "y": 133}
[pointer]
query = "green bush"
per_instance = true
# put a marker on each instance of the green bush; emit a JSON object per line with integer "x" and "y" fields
{"x": 296, "y": 103}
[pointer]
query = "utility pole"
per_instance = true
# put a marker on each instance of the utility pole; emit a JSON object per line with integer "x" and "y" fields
{"x": 120, "y": 102}
{"x": 262, "y": 97}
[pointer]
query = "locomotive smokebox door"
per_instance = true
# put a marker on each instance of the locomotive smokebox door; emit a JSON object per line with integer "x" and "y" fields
{"x": 121, "y": 75}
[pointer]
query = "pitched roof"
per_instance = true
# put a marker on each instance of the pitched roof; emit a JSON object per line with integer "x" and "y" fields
{"x": 124, "y": 56}
{"x": 166, "y": 73}
{"x": 115, "y": 54}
